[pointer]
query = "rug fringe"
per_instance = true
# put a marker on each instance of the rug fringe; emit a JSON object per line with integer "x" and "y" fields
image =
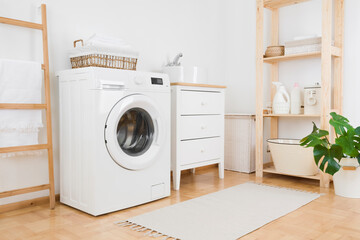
{"x": 148, "y": 232}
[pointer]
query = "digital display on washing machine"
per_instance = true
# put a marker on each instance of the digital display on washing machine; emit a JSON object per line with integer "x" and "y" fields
{"x": 156, "y": 81}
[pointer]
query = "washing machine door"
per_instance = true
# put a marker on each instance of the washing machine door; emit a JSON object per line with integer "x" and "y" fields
{"x": 133, "y": 132}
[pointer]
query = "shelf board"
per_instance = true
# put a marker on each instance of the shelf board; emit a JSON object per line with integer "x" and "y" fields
{"x": 281, "y": 3}
{"x": 293, "y": 115}
{"x": 335, "y": 52}
{"x": 273, "y": 171}
{"x": 292, "y": 57}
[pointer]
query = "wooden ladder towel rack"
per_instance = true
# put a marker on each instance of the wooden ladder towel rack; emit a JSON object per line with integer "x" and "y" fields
{"x": 46, "y": 107}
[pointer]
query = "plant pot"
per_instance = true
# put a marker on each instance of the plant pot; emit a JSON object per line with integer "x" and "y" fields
{"x": 347, "y": 182}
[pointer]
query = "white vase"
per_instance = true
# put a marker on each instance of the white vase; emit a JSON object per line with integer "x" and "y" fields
{"x": 347, "y": 182}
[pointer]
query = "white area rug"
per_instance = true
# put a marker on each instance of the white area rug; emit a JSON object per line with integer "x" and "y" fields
{"x": 226, "y": 215}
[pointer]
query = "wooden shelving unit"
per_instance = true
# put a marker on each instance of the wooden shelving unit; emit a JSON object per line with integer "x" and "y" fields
{"x": 328, "y": 54}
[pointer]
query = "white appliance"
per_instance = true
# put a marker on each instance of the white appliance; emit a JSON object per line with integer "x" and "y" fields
{"x": 114, "y": 138}
{"x": 312, "y": 99}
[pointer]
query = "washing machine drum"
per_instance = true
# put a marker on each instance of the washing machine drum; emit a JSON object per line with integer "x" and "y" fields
{"x": 133, "y": 132}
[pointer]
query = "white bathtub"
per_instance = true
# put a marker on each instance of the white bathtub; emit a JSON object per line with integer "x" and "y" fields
{"x": 291, "y": 158}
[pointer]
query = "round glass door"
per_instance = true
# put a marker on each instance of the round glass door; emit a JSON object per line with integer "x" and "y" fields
{"x": 135, "y": 131}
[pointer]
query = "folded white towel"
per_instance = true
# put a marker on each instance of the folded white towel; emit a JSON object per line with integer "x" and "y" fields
{"x": 20, "y": 82}
{"x": 106, "y": 41}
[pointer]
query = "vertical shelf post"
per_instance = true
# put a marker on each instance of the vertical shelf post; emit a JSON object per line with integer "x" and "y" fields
{"x": 326, "y": 74}
{"x": 338, "y": 61}
{"x": 259, "y": 87}
{"x": 274, "y": 68}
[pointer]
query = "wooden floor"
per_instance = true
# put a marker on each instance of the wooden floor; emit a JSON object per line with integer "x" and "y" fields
{"x": 329, "y": 217}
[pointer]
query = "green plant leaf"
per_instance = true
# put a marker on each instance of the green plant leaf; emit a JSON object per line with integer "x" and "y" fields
{"x": 348, "y": 143}
{"x": 336, "y": 151}
{"x": 332, "y": 166}
{"x": 319, "y": 152}
{"x": 316, "y": 137}
{"x": 340, "y": 123}
{"x": 315, "y": 128}
{"x": 328, "y": 156}
{"x": 357, "y": 131}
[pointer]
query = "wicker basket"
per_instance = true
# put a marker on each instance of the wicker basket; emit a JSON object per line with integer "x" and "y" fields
{"x": 274, "y": 51}
{"x": 104, "y": 60}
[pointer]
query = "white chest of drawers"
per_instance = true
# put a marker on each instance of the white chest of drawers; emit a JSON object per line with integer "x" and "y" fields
{"x": 197, "y": 118}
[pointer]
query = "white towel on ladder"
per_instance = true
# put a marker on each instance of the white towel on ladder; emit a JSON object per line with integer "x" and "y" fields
{"x": 20, "y": 82}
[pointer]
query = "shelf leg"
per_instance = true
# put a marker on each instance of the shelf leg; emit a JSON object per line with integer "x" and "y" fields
{"x": 338, "y": 61}
{"x": 176, "y": 179}
{"x": 259, "y": 87}
{"x": 326, "y": 74}
{"x": 274, "y": 121}
{"x": 221, "y": 170}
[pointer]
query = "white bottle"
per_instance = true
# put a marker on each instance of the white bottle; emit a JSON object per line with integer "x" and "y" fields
{"x": 295, "y": 97}
{"x": 281, "y": 101}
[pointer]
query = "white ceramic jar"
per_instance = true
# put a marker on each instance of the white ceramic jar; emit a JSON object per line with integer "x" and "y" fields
{"x": 347, "y": 182}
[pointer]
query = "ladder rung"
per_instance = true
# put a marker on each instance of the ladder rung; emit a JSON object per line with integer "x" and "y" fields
{"x": 24, "y": 190}
{"x": 22, "y": 106}
{"x": 24, "y": 148}
{"x": 21, "y": 23}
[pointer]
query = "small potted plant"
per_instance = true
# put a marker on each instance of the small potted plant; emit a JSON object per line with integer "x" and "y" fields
{"x": 340, "y": 159}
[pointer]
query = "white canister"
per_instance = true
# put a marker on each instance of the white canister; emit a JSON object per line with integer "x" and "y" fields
{"x": 312, "y": 99}
{"x": 346, "y": 182}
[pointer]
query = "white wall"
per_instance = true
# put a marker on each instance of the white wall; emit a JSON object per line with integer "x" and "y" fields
{"x": 240, "y": 32}
{"x": 159, "y": 29}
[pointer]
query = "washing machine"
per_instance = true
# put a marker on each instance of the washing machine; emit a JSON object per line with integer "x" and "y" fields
{"x": 114, "y": 138}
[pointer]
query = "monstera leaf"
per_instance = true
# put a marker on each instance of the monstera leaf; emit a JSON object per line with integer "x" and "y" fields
{"x": 316, "y": 137}
{"x": 323, "y": 155}
{"x": 348, "y": 143}
{"x": 341, "y": 124}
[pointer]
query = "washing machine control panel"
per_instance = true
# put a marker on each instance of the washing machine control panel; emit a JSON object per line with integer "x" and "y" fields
{"x": 157, "y": 81}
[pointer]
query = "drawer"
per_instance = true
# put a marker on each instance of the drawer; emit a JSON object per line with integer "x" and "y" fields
{"x": 201, "y": 102}
{"x": 193, "y": 151}
{"x": 191, "y": 127}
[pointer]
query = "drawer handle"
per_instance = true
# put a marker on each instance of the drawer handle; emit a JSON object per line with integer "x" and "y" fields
{"x": 203, "y": 103}
{"x": 203, "y": 127}
{"x": 202, "y": 150}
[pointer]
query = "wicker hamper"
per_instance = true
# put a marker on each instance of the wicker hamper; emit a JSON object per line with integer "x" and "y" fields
{"x": 87, "y": 56}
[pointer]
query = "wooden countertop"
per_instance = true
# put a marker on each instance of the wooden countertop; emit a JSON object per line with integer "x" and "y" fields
{"x": 196, "y": 85}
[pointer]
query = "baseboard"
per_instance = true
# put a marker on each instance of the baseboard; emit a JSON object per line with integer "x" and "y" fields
{"x": 26, "y": 203}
